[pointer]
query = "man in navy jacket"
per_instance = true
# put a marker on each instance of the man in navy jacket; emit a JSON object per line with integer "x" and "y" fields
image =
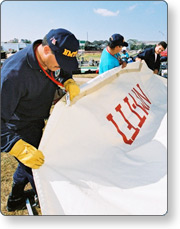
{"x": 29, "y": 80}
{"x": 152, "y": 56}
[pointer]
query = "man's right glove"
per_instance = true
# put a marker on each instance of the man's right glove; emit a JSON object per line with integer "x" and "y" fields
{"x": 72, "y": 87}
{"x": 27, "y": 154}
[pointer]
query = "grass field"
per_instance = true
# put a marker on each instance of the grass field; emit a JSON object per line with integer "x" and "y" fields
{"x": 95, "y": 55}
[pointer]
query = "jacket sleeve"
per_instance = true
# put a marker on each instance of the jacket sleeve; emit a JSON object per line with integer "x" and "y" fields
{"x": 8, "y": 137}
{"x": 142, "y": 55}
{"x": 11, "y": 93}
{"x": 64, "y": 76}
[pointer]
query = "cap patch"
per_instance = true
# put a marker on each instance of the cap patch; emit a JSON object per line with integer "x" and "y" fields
{"x": 53, "y": 41}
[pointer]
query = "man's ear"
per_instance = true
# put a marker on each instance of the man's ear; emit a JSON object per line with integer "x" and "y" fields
{"x": 47, "y": 50}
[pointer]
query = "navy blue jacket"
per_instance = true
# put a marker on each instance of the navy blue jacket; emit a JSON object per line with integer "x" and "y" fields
{"x": 149, "y": 56}
{"x": 26, "y": 96}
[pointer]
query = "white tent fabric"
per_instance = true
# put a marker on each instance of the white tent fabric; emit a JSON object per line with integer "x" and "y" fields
{"x": 106, "y": 153}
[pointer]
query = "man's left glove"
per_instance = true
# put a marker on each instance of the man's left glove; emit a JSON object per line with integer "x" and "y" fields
{"x": 73, "y": 89}
{"x": 27, "y": 154}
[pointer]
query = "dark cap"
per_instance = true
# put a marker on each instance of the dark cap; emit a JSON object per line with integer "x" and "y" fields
{"x": 117, "y": 39}
{"x": 65, "y": 47}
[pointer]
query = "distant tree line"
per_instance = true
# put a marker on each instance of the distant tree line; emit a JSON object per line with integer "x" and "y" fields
{"x": 26, "y": 41}
{"x": 15, "y": 40}
{"x": 136, "y": 45}
{"x": 100, "y": 45}
{"x": 95, "y": 45}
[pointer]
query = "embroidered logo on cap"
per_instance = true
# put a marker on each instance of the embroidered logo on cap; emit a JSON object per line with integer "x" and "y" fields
{"x": 53, "y": 40}
{"x": 69, "y": 53}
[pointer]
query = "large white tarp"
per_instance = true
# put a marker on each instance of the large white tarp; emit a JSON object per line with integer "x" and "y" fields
{"x": 106, "y": 153}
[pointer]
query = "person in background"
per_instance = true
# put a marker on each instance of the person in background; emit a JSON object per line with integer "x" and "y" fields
{"x": 152, "y": 56}
{"x": 29, "y": 80}
{"x": 110, "y": 57}
{"x": 124, "y": 55}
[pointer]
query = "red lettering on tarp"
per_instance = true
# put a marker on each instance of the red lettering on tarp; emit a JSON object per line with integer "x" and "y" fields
{"x": 143, "y": 105}
{"x": 127, "y": 141}
{"x": 142, "y": 97}
{"x": 142, "y": 119}
{"x": 137, "y": 105}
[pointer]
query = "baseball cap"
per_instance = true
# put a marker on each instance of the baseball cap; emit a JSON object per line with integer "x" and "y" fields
{"x": 65, "y": 48}
{"x": 118, "y": 39}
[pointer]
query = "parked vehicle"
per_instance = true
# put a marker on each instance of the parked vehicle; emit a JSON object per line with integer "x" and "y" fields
{"x": 163, "y": 69}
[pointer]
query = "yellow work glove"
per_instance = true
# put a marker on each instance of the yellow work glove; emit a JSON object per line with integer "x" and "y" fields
{"x": 27, "y": 154}
{"x": 73, "y": 89}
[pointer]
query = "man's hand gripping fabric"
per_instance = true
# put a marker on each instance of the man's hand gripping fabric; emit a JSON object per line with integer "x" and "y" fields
{"x": 73, "y": 89}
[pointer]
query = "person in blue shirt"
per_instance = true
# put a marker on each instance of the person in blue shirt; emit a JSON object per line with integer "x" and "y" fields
{"x": 124, "y": 55}
{"x": 110, "y": 57}
{"x": 152, "y": 56}
{"x": 29, "y": 80}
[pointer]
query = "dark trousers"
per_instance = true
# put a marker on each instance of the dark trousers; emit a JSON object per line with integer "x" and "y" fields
{"x": 23, "y": 175}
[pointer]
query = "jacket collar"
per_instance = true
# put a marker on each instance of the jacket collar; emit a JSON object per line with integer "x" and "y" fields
{"x": 31, "y": 58}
